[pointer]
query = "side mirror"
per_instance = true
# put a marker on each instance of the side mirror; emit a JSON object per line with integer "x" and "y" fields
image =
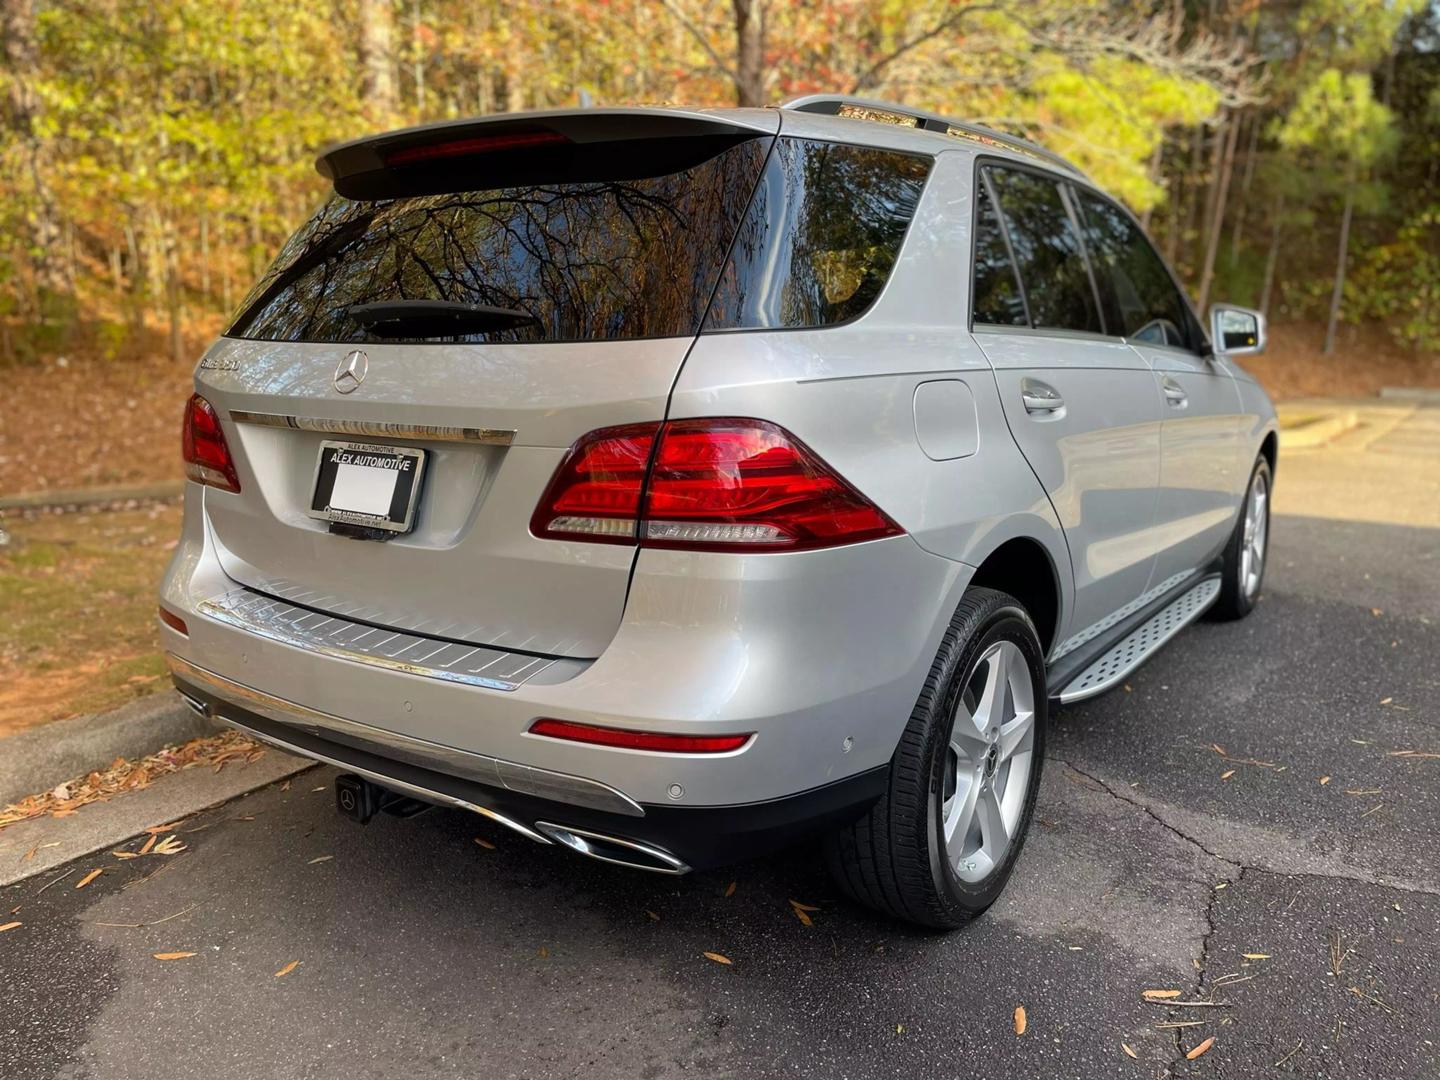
{"x": 1236, "y": 331}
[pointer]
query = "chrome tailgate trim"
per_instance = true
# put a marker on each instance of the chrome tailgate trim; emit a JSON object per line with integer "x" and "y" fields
{"x": 397, "y": 650}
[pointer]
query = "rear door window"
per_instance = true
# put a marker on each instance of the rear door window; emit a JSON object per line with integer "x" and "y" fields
{"x": 582, "y": 259}
{"x": 998, "y": 299}
{"x": 1047, "y": 251}
{"x": 821, "y": 236}
{"x": 1140, "y": 297}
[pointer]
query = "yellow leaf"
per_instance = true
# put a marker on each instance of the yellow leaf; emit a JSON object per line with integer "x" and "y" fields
{"x": 1020, "y": 1020}
{"x": 1377, "y": 612}
{"x": 1324, "y": 780}
{"x": 730, "y": 889}
{"x": 1200, "y": 1049}
{"x": 803, "y": 917}
{"x": 91, "y": 876}
{"x": 171, "y": 845}
{"x": 718, "y": 958}
{"x": 172, "y": 955}
{"x": 1159, "y": 995}
{"x": 8, "y": 926}
{"x": 1256, "y": 955}
{"x": 291, "y": 966}
{"x": 1386, "y": 701}
{"x": 803, "y": 907}
{"x": 1128, "y": 1051}
{"x": 1226, "y": 775}
{"x": 486, "y": 844}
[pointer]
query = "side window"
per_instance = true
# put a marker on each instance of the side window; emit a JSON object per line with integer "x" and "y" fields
{"x": 1141, "y": 301}
{"x": 1047, "y": 249}
{"x": 997, "y": 297}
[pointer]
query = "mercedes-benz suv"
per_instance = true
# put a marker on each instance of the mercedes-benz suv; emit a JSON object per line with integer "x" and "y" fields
{"x": 669, "y": 485}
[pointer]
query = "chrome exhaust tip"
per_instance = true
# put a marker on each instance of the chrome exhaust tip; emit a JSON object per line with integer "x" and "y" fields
{"x": 612, "y": 849}
{"x": 195, "y": 705}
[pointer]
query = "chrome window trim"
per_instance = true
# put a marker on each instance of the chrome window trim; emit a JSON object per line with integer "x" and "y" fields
{"x": 431, "y": 432}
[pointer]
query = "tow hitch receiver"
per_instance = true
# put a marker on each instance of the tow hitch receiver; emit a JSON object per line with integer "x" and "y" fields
{"x": 359, "y": 800}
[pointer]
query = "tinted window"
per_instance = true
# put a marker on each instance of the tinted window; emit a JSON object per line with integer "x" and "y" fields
{"x": 587, "y": 259}
{"x": 1047, "y": 250}
{"x": 821, "y": 236}
{"x": 1141, "y": 301}
{"x": 998, "y": 300}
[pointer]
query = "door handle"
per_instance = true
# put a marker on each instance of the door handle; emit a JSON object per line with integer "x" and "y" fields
{"x": 1040, "y": 397}
{"x": 1174, "y": 393}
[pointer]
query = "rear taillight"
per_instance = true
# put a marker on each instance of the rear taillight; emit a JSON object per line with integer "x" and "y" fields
{"x": 714, "y": 484}
{"x": 629, "y": 739}
{"x": 207, "y": 457}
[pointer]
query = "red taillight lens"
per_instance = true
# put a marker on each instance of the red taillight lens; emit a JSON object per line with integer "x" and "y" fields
{"x": 595, "y": 494}
{"x": 207, "y": 457}
{"x": 175, "y": 622}
{"x": 714, "y": 485}
{"x": 639, "y": 740}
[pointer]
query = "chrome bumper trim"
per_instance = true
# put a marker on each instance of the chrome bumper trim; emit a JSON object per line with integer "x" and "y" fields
{"x": 428, "y": 432}
{"x": 397, "y": 650}
{"x": 481, "y": 768}
{"x": 628, "y": 853}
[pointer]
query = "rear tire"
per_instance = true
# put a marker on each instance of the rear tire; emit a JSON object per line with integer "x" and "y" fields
{"x": 1247, "y": 551}
{"x": 938, "y": 847}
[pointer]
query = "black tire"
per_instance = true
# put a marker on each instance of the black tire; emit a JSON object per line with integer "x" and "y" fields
{"x": 1235, "y": 601}
{"x": 893, "y": 858}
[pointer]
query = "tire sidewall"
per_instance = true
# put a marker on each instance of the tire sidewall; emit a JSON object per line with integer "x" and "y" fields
{"x": 1002, "y": 620}
{"x": 1242, "y": 603}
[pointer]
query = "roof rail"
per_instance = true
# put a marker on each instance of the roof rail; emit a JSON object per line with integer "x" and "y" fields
{"x": 840, "y": 104}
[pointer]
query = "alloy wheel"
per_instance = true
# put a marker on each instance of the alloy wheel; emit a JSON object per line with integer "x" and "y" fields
{"x": 1252, "y": 542}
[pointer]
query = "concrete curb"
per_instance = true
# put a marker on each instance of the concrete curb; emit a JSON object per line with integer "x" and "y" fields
{"x": 79, "y": 498}
{"x": 1317, "y": 432}
{"x": 1428, "y": 395}
{"x": 38, "y": 759}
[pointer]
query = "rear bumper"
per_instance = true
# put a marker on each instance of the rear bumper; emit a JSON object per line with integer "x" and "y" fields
{"x": 820, "y": 654}
{"x": 677, "y": 839}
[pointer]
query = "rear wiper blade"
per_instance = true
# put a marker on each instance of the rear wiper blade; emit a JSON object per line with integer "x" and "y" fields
{"x": 435, "y": 318}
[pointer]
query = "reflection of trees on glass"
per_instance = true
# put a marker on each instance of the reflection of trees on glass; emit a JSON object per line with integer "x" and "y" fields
{"x": 821, "y": 236}
{"x": 590, "y": 260}
{"x": 1047, "y": 251}
{"x": 1141, "y": 301}
{"x": 998, "y": 300}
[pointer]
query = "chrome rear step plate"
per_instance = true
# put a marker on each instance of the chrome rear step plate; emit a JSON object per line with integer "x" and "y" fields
{"x": 1141, "y": 643}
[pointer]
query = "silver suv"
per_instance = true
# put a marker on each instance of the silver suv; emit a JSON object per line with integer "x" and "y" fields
{"x": 667, "y": 485}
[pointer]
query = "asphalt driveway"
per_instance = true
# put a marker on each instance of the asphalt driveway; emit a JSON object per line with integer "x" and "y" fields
{"x": 1254, "y": 822}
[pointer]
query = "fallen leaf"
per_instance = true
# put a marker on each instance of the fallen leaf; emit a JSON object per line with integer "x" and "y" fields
{"x": 654, "y": 916}
{"x": 543, "y": 953}
{"x": 718, "y": 958}
{"x": 291, "y": 966}
{"x": 486, "y": 844}
{"x": 30, "y": 854}
{"x": 1226, "y": 775}
{"x": 1377, "y": 612}
{"x": 1324, "y": 780}
{"x": 805, "y": 919}
{"x": 1020, "y": 1020}
{"x": 1200, "y": 1049}
{"x": 91, "y": 876}
{"x": 145, "y": 850}
{"x": 171, "y": 845}
{"x": 1386, "y": 701}
{"x": 803, "y": 907}
{"x": 320, "y": 788}
{"x": 125, "y": 854}
{"x": 8, "y": 926}
{"x": 320, "y": 858}
{"x": 171, "y": 827}
{"x": 1218, "y": 749}
{"x": 1159, "y": 995}
{"x": 1128, "y": 1052}
{"x": 285, "y": 786}
{"x": 1256, "y": 955}
{"x": 172, "y": 955}
{"x": 730, "y": 889}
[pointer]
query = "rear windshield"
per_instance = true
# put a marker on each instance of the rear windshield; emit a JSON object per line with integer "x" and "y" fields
{"x": 589, "y": 260}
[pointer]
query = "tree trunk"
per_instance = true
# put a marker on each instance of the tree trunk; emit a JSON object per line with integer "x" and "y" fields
{"x": 24, "y": 109}
{"x": 1244, "y": 204}
{"x": 377, "y": 56}
{"x": 1272, "y": 255}
{"x": 1217, "y": 214}
{"x": 750, "y": 52}
{"x": 1157, "y": 161}
{"x": 1339, "y": 289}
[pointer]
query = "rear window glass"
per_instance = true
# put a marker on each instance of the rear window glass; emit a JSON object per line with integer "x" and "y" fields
{"x": 579, "y": 260}
{"x": 821, "y": 237}
{"x": 998, "y": 300}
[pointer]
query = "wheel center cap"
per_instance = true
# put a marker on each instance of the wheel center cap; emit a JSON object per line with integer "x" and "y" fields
{"x": 992, "y": 759}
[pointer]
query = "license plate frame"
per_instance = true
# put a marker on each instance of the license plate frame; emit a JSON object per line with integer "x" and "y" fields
{"x": 366, "y": 482}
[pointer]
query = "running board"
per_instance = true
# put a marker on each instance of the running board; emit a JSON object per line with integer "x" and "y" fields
{"x": 1141, "y": 643}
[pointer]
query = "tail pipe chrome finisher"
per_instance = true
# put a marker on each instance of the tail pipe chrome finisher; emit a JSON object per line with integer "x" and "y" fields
{"x": 612, "y": 849}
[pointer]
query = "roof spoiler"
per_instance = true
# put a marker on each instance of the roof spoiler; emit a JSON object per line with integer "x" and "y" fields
{"x": 888, "y": 111}
{"x": 531, "y": 147}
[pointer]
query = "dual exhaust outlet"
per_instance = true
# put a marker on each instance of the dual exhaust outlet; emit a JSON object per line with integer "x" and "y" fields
{"x": 360, "y": 799}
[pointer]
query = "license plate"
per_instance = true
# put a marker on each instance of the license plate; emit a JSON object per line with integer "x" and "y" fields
{"x": 364, "y": 484}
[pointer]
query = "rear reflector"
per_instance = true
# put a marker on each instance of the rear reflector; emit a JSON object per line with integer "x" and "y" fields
{"x": 175, "y": 622}
{"x": 207, "y": 456}
{"x": 713, "y": 484}
{"x": 639, "y": 740}
{"x": 482, "y": 144}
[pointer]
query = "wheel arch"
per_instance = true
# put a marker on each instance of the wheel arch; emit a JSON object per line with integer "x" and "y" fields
{"x": 1023, "y": 567}
{"x": 1270, "y": 448}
